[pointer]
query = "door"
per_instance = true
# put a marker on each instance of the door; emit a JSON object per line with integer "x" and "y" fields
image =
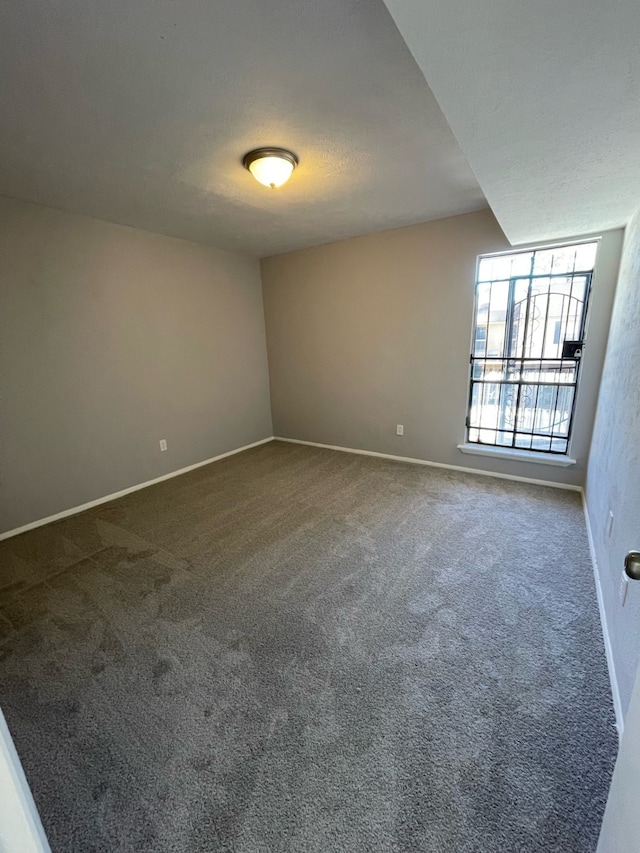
{"x": 621, "y": 825}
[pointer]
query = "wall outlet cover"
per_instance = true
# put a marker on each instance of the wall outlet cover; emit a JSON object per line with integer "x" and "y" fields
{"x": 399, "y": 429}
{"x": 163, "y": 444}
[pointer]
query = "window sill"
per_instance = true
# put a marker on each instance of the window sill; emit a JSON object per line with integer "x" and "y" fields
{"x": 560, "y": 460}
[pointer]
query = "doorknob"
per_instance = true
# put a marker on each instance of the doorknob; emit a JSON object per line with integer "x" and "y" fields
{"x": 632, "y": 565}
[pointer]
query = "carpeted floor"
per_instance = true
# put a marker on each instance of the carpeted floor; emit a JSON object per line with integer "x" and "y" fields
{"x": 297, "y": 649}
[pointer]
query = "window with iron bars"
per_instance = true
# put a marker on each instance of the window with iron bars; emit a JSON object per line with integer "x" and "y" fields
{"x": 529, "y": 328}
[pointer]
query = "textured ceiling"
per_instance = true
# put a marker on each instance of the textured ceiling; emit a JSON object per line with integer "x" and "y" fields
{"x": 544, "y": 99}
{"x": 140, "y": 112}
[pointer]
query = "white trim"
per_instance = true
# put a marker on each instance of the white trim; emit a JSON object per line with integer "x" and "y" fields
{"x": 566, "y": 486}
{"x": 522, "y": 248}
{"x": 76, "y": 509}
{"x": 20, "y": 826}
{"x": 615, "y": 691}
{"x": 560, "y": 460}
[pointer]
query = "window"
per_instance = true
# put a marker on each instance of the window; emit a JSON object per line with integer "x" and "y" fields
{"x": 529, "y": 326}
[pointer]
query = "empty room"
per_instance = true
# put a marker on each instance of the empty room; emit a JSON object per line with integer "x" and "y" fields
{"x": 319, "y": 426}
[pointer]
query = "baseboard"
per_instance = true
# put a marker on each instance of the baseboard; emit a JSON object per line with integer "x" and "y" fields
{"x": 76, "y": 509}
{"x": 615, "y": 691}
{"x": 410, "y": 459}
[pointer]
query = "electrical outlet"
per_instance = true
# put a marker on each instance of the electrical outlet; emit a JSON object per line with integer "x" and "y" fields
{"x": 609, "y": 524}
{"x": 399, "y": 429}
{"x": 623, "y": 588}
{"x": 163, "y": 444}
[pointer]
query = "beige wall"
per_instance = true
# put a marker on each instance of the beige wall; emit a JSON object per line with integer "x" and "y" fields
{"x": 614, "y": 467}
{"x": 375, "y": 331}
{"x": 111, "y": 339}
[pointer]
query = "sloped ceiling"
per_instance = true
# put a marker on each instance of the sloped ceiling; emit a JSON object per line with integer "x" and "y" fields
{"x": 544, "y": 99}
{"x": 139, "y": 112}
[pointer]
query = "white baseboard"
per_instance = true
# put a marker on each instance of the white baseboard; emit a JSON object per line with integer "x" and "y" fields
{"x": 480, "y": 471}
{"x": 76, "y": 509}
{"x": 615, "y": 691}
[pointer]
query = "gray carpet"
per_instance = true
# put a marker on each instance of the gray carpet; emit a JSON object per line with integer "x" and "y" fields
{"x": 296, "y": 649}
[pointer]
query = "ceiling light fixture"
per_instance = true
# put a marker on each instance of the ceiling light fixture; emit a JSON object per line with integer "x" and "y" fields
{"x": 270, "y": 166}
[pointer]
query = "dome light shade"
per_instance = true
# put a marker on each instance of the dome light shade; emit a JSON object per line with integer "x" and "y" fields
{"x": 270, "y": 166}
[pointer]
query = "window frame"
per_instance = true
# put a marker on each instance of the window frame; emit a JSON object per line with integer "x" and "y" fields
{"x": 557, "y": 457}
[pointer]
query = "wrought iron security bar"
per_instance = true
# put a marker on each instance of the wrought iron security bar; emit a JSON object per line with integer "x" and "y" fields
{"x": 530, "y": 319}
